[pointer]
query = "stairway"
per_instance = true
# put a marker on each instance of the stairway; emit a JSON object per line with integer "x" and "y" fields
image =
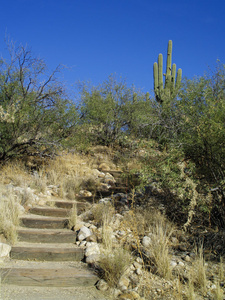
{"x": 46, "y": 254}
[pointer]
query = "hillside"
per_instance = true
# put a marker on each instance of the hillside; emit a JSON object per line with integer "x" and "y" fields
{"x": 142, "y": 243}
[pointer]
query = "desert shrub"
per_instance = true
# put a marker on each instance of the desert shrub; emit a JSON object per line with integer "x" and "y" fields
{"x": 113, "y": 264}
{"x": 35, "y": 113}
{"x": 9, "y": 214}
{"x": 103, "y": 211}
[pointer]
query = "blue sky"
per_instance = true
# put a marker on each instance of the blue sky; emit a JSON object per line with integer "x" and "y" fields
{"x": 96, "y": 38}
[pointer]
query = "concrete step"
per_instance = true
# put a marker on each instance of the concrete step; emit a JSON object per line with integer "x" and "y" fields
{"x": 33, "y": 235}
{"x": 35, "y": 221}
{"x": 47, "y": 252}
{"x": 50, "y": 211}
{"x": 48, "y": 274}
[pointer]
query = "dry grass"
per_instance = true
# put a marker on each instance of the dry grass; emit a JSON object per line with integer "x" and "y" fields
{"x": 198, "y": 272}
{"x": 159, "y": 248}
{"x": 71, "y": 173}
{"x": 14, "y": 172}
{"x": 9, "y": 214}
{"x": 153, "y": 223}
{"x": 73, "y": 216}
{"x": 103, "y": 212}
{"x": 113, "y": 264}
{"x": 107, "y": 230}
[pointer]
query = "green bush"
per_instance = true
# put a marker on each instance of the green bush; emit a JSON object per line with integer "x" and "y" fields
{"x": 35, "y": 113}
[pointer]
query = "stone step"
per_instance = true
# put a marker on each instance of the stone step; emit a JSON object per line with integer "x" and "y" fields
{"x": 46, "y": 235}
{"x": 47, "y": 252}
{"x": 48, "y": 274}
{"x": 115, "y": 173}
{"x": 66, "y": 204}
{"x": 112, "y": 191}
{"x": 50, "y": 211}
{"x": 35, "y": 221}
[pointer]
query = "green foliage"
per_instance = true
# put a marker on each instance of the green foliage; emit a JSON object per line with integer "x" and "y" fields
{"x": 35, "y": 114}
{"x": 109, "y": 109}
{"x": 172, "y": 84}
{"x": 194, "y": 124}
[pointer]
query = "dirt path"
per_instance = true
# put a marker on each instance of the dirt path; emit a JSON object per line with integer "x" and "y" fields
{"x": 12, "y": 292}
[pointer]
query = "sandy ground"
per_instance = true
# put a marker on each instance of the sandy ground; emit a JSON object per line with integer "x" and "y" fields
{"x": 11, "y": 292}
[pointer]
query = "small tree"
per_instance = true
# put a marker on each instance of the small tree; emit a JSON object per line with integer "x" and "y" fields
{"x": 35, "y": 114}
{"x": 108, "y": 109}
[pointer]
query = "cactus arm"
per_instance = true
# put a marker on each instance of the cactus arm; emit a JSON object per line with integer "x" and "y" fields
{"x": 168, "y": 66}
{"x": 160, "y": 72}
{"x": 173, "y": 75}
{"x": 156, "y": 79}
{"x": 179, "y": 76}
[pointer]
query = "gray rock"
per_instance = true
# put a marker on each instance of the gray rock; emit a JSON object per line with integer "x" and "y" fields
{"x": 146, "y": 241}
{"x": 83, "y": 233}
{"x": 173, "y": 263}
{"x": 102, "y": 285}
{"x": 4, "y": 250}
{"x": 93, "y": 258}
{"x": 91, "y": 249}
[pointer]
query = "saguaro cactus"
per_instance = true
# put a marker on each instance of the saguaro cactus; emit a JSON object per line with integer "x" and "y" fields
{"x": 171, "y": 85}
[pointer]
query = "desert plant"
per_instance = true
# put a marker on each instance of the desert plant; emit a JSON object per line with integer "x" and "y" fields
{"x": 113, "y": 265}
{"x": 103, "y": 212}
{"x": 35, "y": 113}
{"x": 9, "y": 214}
{"x": 172, "y": 84}
{"x": 73, "y": 216}
{"x": 198, "y": 271}
{"x": 159, "y": 249}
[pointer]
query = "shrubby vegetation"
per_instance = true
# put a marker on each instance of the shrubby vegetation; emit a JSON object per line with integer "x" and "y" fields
{"x": 37, "y": 118}
{"x": 35, "y": 113}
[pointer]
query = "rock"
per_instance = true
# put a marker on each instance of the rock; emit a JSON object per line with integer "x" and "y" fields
{"x": 181, "y": 264}
{"x": 123, "y": 283}
{"x": 2, "y": 238}
{"x": 182, "y": 247}
{"x": 92, "y": 249}
{"x": 104, "y": 186}
{"x": 174, "y": 240}
{"x": 92, "y": 238}
{"x": 4, "y": 250}
{"x": 102, "y": 285}
{"x": 20, "y": 208}
{"x": 93, "y": 258}
{"x": 83, "y": 233}
{"x": 146, "y": 241}
{"x": 105, "y": 200}
{"x": 83, "y": 244}
{"x": 134, "y": 279}
{"x": 130, "y": 296}
{"x": 139, "y": 271}
{"x": 173, "y": 263}
{"x": 137, "y": 265}
{"x": 85, "y": 193}
{"x": 139, "y": 260}
{"x": 103, "y": 167}
{"x": 116, "y": 293}
{"x": 187, "y": 258}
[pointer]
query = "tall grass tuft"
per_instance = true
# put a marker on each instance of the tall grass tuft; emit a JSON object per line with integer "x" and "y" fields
{"x": 9, "y": 215}
{"x": 113, "y": 265}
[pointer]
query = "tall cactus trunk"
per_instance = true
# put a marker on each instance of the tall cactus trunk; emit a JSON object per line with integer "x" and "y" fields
{"x": 172, "y": 84}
